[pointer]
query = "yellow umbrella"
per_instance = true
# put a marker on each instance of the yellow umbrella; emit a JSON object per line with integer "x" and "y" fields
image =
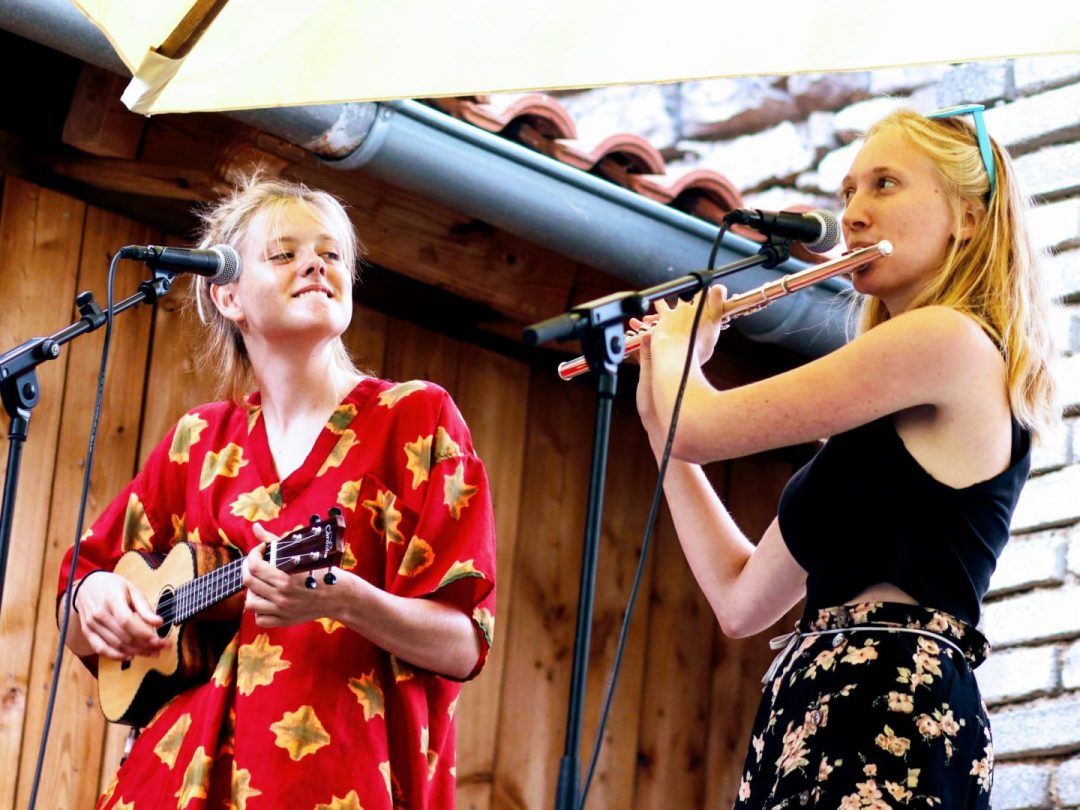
{"x": 190, "y": 55}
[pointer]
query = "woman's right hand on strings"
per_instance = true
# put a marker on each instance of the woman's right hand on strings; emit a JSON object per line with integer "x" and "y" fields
{"x": 115, "y": 618}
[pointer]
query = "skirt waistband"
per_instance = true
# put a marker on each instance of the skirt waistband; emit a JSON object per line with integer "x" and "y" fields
{"x": 885, "y": 615}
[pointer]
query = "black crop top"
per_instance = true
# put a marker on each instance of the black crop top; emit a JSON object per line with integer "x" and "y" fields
{"x": 863, "y": 511}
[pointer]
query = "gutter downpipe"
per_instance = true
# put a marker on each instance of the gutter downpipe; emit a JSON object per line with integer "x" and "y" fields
{"x": 500, "y": 182}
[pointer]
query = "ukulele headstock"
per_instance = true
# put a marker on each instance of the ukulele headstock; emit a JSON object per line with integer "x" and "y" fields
{"x": 318, "y": 545}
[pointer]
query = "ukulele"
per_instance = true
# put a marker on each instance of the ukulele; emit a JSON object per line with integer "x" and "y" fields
{"x": 181, "y": 587}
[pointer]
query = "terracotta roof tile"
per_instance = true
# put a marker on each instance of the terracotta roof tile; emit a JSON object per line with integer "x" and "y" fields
{"x": 541, "y": 123}
{"x": 540, "y": 111}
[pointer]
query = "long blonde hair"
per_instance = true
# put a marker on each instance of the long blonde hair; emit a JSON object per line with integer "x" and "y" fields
{"x": 227, "y": 222}
{"x": 995, "y": 276}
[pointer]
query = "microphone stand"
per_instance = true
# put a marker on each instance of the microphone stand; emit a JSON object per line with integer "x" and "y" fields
{"x": 599, "y": 325}
{"x": 20, "y": 390}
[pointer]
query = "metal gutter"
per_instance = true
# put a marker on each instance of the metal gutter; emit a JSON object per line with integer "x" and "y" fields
{"x": 500, "y": 182}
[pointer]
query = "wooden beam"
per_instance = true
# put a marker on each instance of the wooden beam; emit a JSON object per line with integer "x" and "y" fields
{"x": 97, "y": 121}
{"x": 137, "y": 177}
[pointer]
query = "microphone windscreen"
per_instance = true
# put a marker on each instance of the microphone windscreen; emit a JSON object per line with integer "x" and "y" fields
{"x": 229, "y": 269}
{"x": 830, "y": 231}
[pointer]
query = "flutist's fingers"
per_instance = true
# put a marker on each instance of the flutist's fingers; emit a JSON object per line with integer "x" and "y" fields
{"x": 675, "y": 323}
{"x": 646, "y": 403}
{"x": 714, "y": 302}
{"x": 643, "y": 324}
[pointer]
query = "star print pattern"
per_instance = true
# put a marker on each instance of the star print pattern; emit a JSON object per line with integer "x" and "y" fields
{"x": 279, "y": 700}
{"x": 458, "y": 492}
{"x": 344, "y": 444}
{"x": 262, "y": 503}
{"x": 300, "y": 733}
{"x": 258, "y": 663}
{"x": 187, "y": 433}
{"x": 395, "y": 393}
{"x": 418, "y": 556}
{"x": 368, "y": 694}
{"x": 137, "y": 528}
{"x": 385, "y": 518}
{"x": 227, "y": 462}
{"x": 348, "y": 802}
{"x": 418, "y": 455}
{"x": 169, "y": 746}
{"x": 241, "y": 788}
{"x": 196, "y": 779}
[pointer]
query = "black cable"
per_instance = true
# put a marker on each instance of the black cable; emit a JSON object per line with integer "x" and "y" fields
{"x": 650, "y": 526}
{"x": 716, "y": 245}
{"x": 78, "y": 533}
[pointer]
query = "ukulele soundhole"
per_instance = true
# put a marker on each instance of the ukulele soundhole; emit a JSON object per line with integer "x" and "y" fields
{"x": 166, "y": 610}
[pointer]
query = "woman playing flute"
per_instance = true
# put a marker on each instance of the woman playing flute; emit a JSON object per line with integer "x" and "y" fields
{"x": 892, "y": 530}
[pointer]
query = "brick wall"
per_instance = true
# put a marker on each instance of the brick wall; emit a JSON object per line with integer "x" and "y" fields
{"x": 789, "y": 140}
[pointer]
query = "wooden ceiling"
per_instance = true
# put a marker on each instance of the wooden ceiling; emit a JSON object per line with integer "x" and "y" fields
{"x": 67, "y": 129}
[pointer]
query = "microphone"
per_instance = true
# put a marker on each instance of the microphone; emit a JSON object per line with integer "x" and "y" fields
{"x": 220, "y": 263}
{"x": 818, "y": 230}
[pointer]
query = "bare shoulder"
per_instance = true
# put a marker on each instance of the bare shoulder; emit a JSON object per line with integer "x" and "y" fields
{"x": 947, "y": 338}
{"x": 941, "y": 324}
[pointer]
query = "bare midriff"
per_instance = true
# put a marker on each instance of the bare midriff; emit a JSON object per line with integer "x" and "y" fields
{"x": 883, "y": 592}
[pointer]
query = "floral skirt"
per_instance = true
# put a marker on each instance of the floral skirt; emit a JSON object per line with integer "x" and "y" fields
{"x": 872, "y": 705}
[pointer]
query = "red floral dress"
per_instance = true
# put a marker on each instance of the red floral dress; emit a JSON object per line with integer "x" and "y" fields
{"x": 314, "y": 715}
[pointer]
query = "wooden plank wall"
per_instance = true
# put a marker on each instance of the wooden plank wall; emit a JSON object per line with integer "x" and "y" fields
{"x": 685, "y": 698}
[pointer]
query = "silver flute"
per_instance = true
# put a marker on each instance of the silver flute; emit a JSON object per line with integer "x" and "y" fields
{"x": 759, "y": 298}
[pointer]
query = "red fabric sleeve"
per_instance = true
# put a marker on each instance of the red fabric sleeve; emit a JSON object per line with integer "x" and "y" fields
{"x": 447, "y": 548}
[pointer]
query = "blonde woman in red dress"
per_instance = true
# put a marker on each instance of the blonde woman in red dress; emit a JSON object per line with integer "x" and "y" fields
{"x": 337, "y": 696}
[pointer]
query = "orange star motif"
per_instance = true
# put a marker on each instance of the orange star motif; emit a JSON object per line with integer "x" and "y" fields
{"x": 258, "y": 663}
{"x": 226, "y": 463}
{"x": 168, "y": 746}
{"x": 457, "y": 493}
{"x": 262, "y": 503}
{"x": 341, "y": 418}
{"x": 345, "y": 443}
{"x": 368, "y": 694}
{"x": 241, "y": 787}
{"x": 418, "y": 459}
{"x": 418, "y": 557}
{"x": 445, "y": 447}
{"x": 349, "y": 802}
{"x": 384, "y": 517}
{"x": 300, "y": 733}
{"x": 137, "y": 529}
{"x": 187, "y": 432}
{"x": 349, "y": 493}
{"x": 196, "y": 779}
{"x": 395, "y": 393}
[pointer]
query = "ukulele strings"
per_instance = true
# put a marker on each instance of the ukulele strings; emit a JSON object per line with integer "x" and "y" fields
{"x": 201, "y": 592}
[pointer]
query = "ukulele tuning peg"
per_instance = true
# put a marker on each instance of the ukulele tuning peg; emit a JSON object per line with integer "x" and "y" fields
{"x": 334, "y": 512}
{"x": 329, "y": 578}
{"x": 314, "y": 519}
{"x": 310, "y": 583}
